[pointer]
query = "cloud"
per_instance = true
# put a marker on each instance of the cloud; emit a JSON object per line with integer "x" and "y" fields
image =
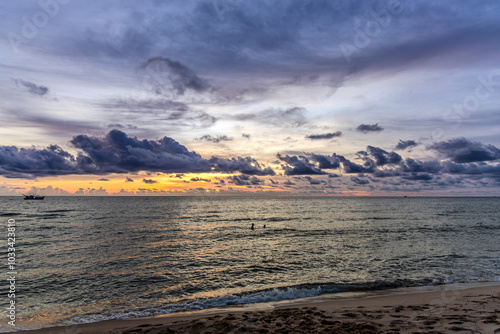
{"x": 199, "y": 179}
{"x": 461, "y": 150}
{"x": 245, "y": 165}
{"x": 149, "y": 181}
{"x": 31, "y": 162}
{"x": 91, "y": 192}
{"x": 299, "y": 165}
{"x": 216, "y": 139}
{"x": 352, "y": 167}
{"x": 288, "y": 118}
{"x": 383, "y": 157}
{"x": 116, "y": 152}
{"x": 31, "y": 87}
{"x": 324, "y": 136}
{"x": 359, "y": 181}
{"x": 103, "y": 179}
{"x": 404, "y": 144}
{"x": 389, "y": 168}
{"x": 176, "y": 114}
{"x": 246, "y": 135}
{"x": 244, "y": 180}
{"x": 365, "y": 128}
{"x": 172, "y": 78}
{"x": 48, "y": 191}
{"x": 121, "y": 126}
{"x": 308, "y": 163}
{"x": 325, "y": 161}
{"x": 313, "y": 181}
{"x": 128, "y": 179}
{"x": 418, "y": 177}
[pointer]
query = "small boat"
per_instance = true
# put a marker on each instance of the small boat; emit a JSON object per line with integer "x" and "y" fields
{"x": 26, "y": 197}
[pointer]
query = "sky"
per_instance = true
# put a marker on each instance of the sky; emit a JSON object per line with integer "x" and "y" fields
{"x": 233, "y": 97}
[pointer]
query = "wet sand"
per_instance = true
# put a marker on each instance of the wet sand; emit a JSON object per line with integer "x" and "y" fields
{"x": 446, "y": 309}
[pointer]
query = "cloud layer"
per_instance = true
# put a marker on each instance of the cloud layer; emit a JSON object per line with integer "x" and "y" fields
{"x": 116, "y": 152}
{"x": 458, "y": 160}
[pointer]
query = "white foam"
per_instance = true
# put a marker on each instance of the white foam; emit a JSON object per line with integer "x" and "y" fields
{"x": 258, "y": 297}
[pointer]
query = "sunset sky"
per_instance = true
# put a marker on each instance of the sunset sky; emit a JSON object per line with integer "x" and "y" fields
{"x": 313, "y": 97}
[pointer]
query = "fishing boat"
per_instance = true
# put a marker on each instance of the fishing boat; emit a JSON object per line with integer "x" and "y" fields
{"x": 30, "y": 197}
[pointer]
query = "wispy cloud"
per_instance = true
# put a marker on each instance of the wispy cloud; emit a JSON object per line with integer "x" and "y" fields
{"x": 289, "y": 117}
{"x": 324, "y": 135}
{"x": 32, "y": 88}
{"x": 214, "y": 139}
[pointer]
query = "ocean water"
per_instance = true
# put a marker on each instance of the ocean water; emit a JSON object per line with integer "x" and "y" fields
{"x": 86, "y": 259}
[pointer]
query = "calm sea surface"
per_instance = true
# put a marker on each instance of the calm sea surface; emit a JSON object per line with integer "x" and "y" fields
{"x": 85, "y": 259}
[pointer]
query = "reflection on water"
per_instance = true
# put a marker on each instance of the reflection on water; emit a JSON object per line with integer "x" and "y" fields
{"x": 96, "y": 258}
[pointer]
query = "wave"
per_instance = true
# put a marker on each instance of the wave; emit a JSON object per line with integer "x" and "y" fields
{"x": 8, "y": 214}
{"x": 260, "y": 296}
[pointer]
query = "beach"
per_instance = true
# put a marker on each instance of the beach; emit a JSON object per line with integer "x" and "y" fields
{"x": 458, "y": 308}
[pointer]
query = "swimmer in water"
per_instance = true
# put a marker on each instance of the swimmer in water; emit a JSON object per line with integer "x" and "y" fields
{"x": 252, "y": 226}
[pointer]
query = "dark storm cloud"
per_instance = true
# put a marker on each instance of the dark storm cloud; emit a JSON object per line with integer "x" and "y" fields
{"x": 116, "y": 152}
{"x": 404, "y": 144}
{"x": 383, "y": 157}
{"x": 461, "y": 150}
{"x": 214, "y": 139}
{"x": 299, "y": 165}
{"x": 325, "y": 136}
{"x": 325, "y": 161}
{"x": 384, "y": 165}
{"x": 31, "y": 162}
{"x": 471, "y": 168}
{"x": 31, "y": 87}
{"x": 309, "y": 163}
{"x": 365, "y": 128}
{"x": 351, "y": 167}
{"x": 410, "y": 165}
{"x": 290, "y": 117}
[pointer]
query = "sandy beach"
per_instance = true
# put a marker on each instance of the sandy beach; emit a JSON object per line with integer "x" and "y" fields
{"x": 444, "y": 309}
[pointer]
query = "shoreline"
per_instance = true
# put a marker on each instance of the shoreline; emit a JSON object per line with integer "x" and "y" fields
{"x": 474, "y": 308}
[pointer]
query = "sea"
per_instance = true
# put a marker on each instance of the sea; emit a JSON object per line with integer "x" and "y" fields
{"x": 87, "y": 259}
